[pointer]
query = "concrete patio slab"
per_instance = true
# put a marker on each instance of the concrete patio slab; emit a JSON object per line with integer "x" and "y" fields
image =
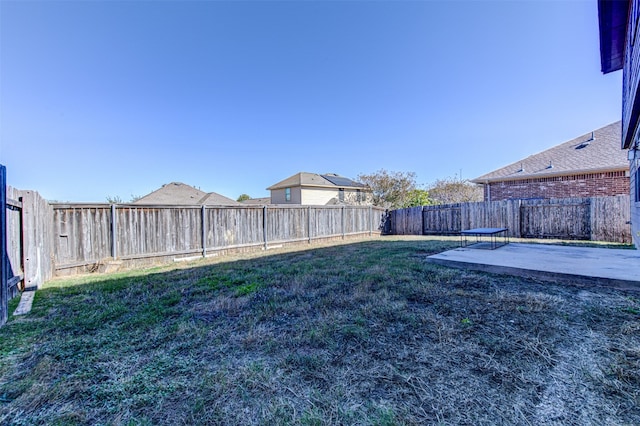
{"x": 619, "y": 268}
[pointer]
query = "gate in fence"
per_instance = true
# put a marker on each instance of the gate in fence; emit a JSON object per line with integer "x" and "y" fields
{"x": 12, "y": 247}
{"x": 4, "y": 276}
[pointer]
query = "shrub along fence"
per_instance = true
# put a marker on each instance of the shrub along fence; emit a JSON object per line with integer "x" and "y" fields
{"x": 595, "y": 218}
{"x": 91, "y": 235}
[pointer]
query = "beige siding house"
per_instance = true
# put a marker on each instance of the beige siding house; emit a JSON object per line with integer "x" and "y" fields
{"x": 320, "y": 190}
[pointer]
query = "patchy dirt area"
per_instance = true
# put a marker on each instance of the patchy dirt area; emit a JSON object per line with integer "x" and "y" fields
{"x": 362, "y": 333}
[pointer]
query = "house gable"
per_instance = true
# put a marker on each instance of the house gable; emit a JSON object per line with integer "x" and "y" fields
{"x": 589, "y": 165}
{"x": 178, "y": 193}
{"x": 315, "y": 189}
{"x": 597, "y": 151}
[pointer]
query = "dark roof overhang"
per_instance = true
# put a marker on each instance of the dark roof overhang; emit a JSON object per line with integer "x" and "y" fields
{"x": 612, "y": 20}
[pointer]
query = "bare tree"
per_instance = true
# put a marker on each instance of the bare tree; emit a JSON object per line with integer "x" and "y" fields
{"x": 390, "y": 190}
{"x": 454, "y": 190}
{"x": 114, "y": 199}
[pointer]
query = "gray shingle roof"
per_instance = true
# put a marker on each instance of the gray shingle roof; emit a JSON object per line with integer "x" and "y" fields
{"x": 258, "y": 201}
{"x": 316, "y": 180}
{"x": 177, "y": 193}
{"x": 577, "y": 156}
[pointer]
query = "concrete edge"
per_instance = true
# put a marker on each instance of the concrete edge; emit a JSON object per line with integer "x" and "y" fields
{"x": 573, "y": 279}
{"x": 26, "y": 301}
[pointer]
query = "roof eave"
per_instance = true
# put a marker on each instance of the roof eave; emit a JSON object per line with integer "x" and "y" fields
{"x": 274, "y": 187}
{"x": 612, "y": 21}
{"x": 547, "y": 175}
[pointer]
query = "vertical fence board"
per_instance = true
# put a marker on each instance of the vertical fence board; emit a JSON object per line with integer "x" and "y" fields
{"x": 556, "y": 218}
{"x": 14, "y": 240}
{"x": 4, "y": 261}
{"x": 407, "y": 221}
{"x": 610, "y": 219}
{"x": 287, "y": 224}
{"x": 445, "y": 219}
{"x": 326, "y": 222}
{"x": 81, "y": 234}
{"x": 231, "y": 226}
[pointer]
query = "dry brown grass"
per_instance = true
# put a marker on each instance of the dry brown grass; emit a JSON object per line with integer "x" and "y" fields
{"x": 364, "y": 333}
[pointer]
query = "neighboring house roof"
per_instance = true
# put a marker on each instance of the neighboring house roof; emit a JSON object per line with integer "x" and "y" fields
{"x": 257, "y": 201}
{"x": 177, "y": 193}
{"x": 329, "y": 180}
{"x": 598, "y": 151}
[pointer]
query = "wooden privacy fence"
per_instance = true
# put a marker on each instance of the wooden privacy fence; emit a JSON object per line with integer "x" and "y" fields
{"x": 85, "y": 235}
{"x": 26, "y": 242}
{"x": 29, "y": 239}
{"x": 595, "y": 218}
{"x": 4, "y": 263}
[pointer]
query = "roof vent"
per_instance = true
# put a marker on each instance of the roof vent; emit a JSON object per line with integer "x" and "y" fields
{"x": 550, "y": 166}
{"x": 521, "y": 169}
{"x": 583, "y": 145}
{"x": 587, "y": 142}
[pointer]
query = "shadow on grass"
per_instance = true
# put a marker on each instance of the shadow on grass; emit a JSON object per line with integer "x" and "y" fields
{"x": 364, "y": 333}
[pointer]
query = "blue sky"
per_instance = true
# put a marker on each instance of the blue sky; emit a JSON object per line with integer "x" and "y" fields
{"x": 116, "y": 98}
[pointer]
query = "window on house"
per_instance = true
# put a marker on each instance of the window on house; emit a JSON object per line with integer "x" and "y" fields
{"x": 287, "y": 194}
{"x": 341, "y": 195}
{"x": 358, "y": 195}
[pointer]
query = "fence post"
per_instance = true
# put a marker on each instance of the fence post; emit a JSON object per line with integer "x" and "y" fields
{"x": 309, "y": 223}
{"x": 370, "y": 220}
{"x": 342, "y": 220}
{"x": 264, "y": 225}
{"x": 487, "y": 206}
{"x": 203, "y": 215}
{"x": 4, "y": 276}
{"x": 114, "y": 249}
{"x": 590, "y": 217}
{"x": 518, "y": 220}
{"x": 28, "y": 245}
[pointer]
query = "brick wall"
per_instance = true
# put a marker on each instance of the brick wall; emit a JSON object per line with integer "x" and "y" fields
{"x": 584, "y": 185}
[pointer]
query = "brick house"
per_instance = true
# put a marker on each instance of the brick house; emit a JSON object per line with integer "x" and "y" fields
{"x": 619, "y": 24}
{"x": 587, "y": 166}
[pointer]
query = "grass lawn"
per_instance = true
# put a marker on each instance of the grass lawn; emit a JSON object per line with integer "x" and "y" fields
{"x": 360, "y": 333}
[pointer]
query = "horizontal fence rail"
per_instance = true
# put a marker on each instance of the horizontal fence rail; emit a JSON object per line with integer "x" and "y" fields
{"x": 594, "y": 218}
{"x": 87, "y": 234}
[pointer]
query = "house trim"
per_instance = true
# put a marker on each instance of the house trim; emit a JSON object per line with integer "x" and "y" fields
{"x": 580, "y": 174}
